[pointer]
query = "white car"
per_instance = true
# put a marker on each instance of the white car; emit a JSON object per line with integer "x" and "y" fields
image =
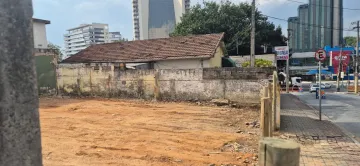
{"x": 328, "y": 85}
{"x": 314, "y": 87}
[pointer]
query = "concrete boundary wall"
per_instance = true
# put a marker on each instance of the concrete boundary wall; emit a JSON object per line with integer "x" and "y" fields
{"x": 242, "y": 85}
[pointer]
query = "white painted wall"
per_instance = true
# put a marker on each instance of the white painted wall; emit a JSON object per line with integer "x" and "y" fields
{"x": 39, "y": 30}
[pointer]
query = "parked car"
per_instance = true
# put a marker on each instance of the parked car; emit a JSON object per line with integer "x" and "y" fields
{"x": 327, "y": 85}
{"x": 314, "y": 87}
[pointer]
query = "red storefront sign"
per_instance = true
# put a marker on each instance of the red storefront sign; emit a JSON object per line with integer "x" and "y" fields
{"x": 335, "y": 60}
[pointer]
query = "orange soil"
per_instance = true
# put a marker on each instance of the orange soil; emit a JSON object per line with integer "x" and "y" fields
{"x": 83, "y": 132}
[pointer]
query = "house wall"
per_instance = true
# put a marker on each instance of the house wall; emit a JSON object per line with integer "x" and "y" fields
{"x": 241, "y": 85}
{"x": 40, "y": 40}
{"x": 181, "y": 64}
{"x": 192, "y": 63}
{"x": 217, "y": 59}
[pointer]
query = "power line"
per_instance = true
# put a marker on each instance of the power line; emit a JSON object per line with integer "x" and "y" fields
{"x": 313, "y": 25}
{"x": 323, "y": 5}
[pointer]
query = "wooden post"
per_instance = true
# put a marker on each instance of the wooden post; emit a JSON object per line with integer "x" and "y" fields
{"x": 156, "y": 86}
{"x": 270, "y": 113}
{"x": 278, "y": 152}
{"x": 20, "y": 137}
{"x": 264, "y": 121}
{"x": 278, "y": 107}
{"x": 266, "y": 91}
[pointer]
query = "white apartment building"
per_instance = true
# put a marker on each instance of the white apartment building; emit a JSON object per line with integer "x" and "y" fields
{"x": 114, "y": 36}
{"x": 39, "y": 32}
{"x": 83, "y": 36}
{"x": 157, "y": 18}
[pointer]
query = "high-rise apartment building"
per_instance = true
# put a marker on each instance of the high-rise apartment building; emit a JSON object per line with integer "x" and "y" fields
{"x": 293, "y": 25}
{"x": 320, "y": 24}
{"x": 114, "y": 36}
{"x": 83, "y": 36}
{"x": 338, "y": 22}
{"x": 303, "y": 28}
{"x": 157, "y": 18}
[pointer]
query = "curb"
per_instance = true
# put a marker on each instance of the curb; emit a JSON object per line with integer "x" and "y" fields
{"x": 347, "y": 133}
{"x": 344, "y": 93}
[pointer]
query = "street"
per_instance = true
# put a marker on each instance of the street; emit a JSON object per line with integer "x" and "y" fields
{"x": 342, "y": 109}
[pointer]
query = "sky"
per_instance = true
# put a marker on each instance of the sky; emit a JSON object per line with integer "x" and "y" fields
{"x": 66, "y": 14}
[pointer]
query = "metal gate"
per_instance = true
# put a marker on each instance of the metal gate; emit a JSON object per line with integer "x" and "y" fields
{"x": 46, "y": 75}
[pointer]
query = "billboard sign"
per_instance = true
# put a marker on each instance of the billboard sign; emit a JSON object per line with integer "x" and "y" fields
{"x": 335, "y": 60}
{"x": 282, "y": 52}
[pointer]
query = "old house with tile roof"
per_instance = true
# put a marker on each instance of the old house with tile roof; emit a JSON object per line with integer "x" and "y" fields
{"x": 185, "y": 52}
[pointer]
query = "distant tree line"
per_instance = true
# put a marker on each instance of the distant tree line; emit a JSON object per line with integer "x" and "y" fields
{"x": 235, "y": 21}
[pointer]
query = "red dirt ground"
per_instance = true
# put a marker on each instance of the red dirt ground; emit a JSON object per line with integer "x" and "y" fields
{"x": 84, "y": 132}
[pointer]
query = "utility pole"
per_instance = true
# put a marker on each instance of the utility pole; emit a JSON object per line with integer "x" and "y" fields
{"x": 356, "y": 74}
{"x": 20, "y": 141}
{"x": 339, "y": 68}
{"x": 252, "y": 50}
{"x": 287, "y": 63}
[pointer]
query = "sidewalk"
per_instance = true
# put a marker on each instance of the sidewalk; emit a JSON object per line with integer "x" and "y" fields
{"x": 322, "y": 142}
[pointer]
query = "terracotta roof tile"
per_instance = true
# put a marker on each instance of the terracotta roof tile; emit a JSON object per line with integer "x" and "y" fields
{"x": 184, "y": 47}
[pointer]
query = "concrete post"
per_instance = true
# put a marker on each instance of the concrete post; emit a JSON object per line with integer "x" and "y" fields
{"x": 278, "y": 152}
{"x": 20, "y": 142}
{"x": 356, "y": 74}
{"x": 274, "y": 87}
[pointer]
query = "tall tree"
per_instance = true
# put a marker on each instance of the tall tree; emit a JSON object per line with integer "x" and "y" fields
{"x": 350, "y": 40}
{"x": 234, "y": 20}
{"x": 57, "y": 50}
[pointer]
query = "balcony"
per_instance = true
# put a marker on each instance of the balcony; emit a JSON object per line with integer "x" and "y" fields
{"x": 76, "y": 41}
{"x": 74, "y": 37}
{"x": 77, "y": 49}
{"x": 78, "y": 44}
{"x": 75, "y": 33}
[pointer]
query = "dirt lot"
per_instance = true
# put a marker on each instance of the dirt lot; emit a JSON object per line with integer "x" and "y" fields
{"x": 84, "y": 132}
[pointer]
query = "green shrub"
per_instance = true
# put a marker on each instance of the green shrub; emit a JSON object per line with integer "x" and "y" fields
{"x": 259, "y": 63}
